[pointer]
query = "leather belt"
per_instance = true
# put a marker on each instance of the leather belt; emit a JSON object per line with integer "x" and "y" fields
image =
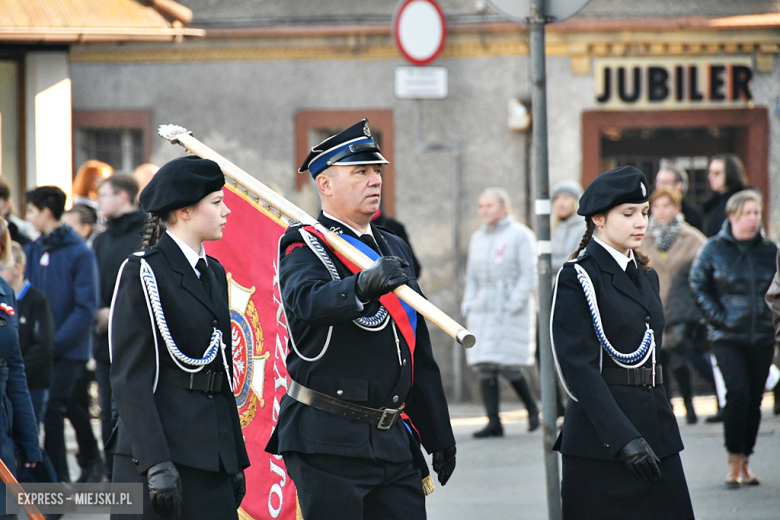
{"x": 633, "y": 376}
{"x": 199, "y": 381}
{"x": 382, "y": 419}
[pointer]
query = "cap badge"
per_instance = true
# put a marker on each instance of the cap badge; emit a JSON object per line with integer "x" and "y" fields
{"x": 644, "y": 190}
{"x": 366, "y": 131}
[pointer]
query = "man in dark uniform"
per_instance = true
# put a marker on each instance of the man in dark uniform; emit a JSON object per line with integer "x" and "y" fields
{"x": 351, "y": 362}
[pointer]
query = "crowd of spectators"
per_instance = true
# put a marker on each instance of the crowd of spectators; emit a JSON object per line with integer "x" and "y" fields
{"x": 58, "y": 270}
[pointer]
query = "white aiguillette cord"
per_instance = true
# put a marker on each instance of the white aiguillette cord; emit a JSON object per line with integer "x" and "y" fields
{"x": 152, "y": 295}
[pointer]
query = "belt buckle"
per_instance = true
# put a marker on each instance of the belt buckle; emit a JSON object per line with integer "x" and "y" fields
{"x": 392, "y": 414}
{"x": 192, "y": 380}
{"x": 210, "y": 382}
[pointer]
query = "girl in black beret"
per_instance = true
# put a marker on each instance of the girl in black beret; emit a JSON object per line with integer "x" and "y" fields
{"x": 620, "y": 442}
{"x": 178, "y": 430}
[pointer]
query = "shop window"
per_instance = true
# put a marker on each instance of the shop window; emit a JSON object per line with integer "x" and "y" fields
{"x": 119, "y": 138}
{"x": 686, "y": 139}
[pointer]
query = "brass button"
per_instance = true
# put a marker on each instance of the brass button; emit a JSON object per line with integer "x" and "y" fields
{"x": 404, "y": 363}
{"x": 395, "y": 398}
{"x": 214, "y": 323}
{"x": 339, "y": 392}
{"x": 344, "y": 296}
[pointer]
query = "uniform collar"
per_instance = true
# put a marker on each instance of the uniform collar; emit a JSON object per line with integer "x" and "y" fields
{"x": 189, "y": 253}
{"x": 355, "y": 231}
{"x": 23, "y": 290}
{"x": 619, "y": 257}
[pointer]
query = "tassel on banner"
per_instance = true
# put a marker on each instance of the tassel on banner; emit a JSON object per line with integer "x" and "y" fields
{"x": 428, "y": 485}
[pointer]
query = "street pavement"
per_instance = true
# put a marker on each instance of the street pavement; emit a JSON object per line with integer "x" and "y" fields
{"x": 503, "y": 478}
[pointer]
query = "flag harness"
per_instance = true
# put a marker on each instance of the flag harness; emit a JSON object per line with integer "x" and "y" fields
{"x": 373, "y": 323}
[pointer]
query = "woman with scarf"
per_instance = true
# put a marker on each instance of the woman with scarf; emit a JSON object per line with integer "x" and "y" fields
{"x": 671, "y": 245}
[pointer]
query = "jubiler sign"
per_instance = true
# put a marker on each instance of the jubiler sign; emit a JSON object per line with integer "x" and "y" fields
{"x": 673, "y": 83}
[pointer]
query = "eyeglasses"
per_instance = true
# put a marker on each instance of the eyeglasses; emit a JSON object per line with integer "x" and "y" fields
{"x": 105, "y": 195}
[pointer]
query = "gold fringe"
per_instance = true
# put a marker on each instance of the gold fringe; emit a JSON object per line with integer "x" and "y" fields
{"x": 428, "y": 485}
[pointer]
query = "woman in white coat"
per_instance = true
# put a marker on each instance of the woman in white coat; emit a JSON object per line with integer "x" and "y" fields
{"x": 500, "y": 306}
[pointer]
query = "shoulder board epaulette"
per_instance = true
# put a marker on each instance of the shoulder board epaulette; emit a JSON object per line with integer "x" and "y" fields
{"x": 383, "y": 229}
{"x": 580, "y": 258}
{"x": 146, "y": 252}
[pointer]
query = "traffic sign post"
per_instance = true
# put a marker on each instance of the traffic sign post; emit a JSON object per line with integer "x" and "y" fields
{"x": 537, "y": 13}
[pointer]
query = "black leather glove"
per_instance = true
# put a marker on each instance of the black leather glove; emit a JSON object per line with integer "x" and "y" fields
{"x": 165, "y": 490}
{"x": 239, "y": 487}
{"x": 641, "y": 460}
{"x": 444, "y": 464}
{"x": 384, "y": 275}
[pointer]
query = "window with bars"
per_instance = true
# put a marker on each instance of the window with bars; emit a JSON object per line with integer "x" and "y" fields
{"x": 119, "y": 138}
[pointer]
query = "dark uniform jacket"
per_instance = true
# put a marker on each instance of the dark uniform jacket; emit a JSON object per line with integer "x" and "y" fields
{"x": 729, "y": 279}
{"x": 18, "y": 427}
{"x": 123, "y": 236}
{"x": 36, "y": 337}
{"x": 189, "y": 427}
{"x": 359, "y": 366}
{"x": 604, "y": 418}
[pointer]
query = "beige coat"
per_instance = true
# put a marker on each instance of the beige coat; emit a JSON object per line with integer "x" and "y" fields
{"x": 679, "y": 256}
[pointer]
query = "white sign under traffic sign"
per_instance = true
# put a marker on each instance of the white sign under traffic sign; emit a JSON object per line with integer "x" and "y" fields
{"x": 421, "y": 83}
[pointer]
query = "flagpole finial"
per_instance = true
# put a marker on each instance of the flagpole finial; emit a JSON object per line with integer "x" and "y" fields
{"x": 172, "y": 132}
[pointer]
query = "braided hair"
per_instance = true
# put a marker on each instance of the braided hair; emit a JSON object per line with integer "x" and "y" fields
{"x": 155, "y": 227}
{"x": 590, "y": 228}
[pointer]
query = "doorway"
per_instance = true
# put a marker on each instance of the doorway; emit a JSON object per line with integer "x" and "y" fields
{"x": 685, "y": 139}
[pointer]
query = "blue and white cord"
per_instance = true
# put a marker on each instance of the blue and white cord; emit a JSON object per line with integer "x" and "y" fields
{"x": 152, "y": 294}
{"x": 634, "y": 359}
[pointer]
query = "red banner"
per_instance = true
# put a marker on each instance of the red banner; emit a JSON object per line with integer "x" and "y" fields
{"x": 248, "y": 251}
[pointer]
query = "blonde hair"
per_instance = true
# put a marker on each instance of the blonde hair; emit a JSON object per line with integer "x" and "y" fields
{"x": 18, "y": 254}
{"x": 6, "y": 260}
{"x": 736, "y": 202}
{"x": 501, "y": 195}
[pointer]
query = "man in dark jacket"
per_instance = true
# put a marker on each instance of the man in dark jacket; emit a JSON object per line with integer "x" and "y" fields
{"x": 340, "y": 428}
{"x": 36, "y": 331}
{"x": 393, "y": 225}
{"x": 5, "y": 212}
{"x": 61, "y": 265}
{"x": 125, "y": 223}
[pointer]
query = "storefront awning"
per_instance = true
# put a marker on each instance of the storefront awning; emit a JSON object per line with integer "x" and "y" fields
{"x": 81, "y": 21}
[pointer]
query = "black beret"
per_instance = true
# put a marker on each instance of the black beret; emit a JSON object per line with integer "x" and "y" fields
{"x": 180, "y": 183}
{"x": 355, "y": 145}
{"x": 624, "y": 185}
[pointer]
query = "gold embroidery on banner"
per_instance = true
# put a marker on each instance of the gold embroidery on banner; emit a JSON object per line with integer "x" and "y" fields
{"x": 249, "y": 413}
